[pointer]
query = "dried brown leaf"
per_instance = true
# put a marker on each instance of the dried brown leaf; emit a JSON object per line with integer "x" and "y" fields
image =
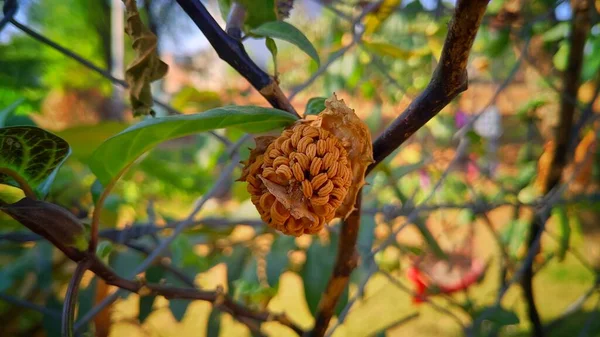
{"x": 146, "y": 67}
{"x": 294, "y": 203}
{"x": 340, "y": 120}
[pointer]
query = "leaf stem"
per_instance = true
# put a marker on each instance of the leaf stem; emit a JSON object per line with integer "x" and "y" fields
{"x": 98, "y": 207}
{"x": 68, "y": 313}
{"x": 20, "y": 180}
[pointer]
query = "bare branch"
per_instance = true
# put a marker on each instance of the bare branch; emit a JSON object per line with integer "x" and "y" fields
{"x": 345, "y": 262}
{"x": 580, "y": 27}
{"x": 448, "y": 80}
{"x": 232, "y": 51}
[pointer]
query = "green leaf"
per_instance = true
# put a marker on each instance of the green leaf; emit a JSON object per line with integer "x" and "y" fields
{"x": 104, "y": 249}
{"x": 43, "y": 250}
{"x": 123, "y": 263}
{"x": 270, "y": 43}
{"x": 386, "y": 49}
{"x": 514, "y": 235}
{"x": 498, "y": 43}
{"x": 235, "y": 264}
{"x": 119, "y": 151}
{"x": 190, "y": 98}
{"x": 556, "y": 33}
{"x": 16, "y": 269}
{"x": 526, "y": 174}
{"x": 525, "y": 110}
{"x": 285, "y": 31}
{"x": 314, "y": 106}
{"x": 32, "y": 153}
{"x": 213, "y": 327}
{"x": 320, "y": 260}
{"x": 153, "y": 275}
{"x": 277, "y": 259}
{"x": 561, "y": 57}
{"x": 84, "y": 139}
{"x": 591, "y": 63}
{"x": 496, "y": 317}
{"x": 8, "y": 111}
{"x": 560, "y": 213}
{"x": 178, "y": 307}
{"x": 50, "y": 324}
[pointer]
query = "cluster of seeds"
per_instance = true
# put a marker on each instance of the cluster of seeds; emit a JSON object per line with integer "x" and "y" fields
{"x": 310, "y": 165}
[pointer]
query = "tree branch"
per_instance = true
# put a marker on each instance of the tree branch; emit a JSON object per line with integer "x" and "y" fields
{"x": 580, "y": 27}
{"x": 232, "y": 51}
{"x": 345, "y": 262}
{"x": 448, "y": 80}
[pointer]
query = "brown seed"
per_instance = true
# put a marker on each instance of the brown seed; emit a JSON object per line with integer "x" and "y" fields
{"x": 274, "y": 153}
{"x": 268, "y": 172}
{"x": 280, "y": 161}
{"x": 303, "y": 143}
{"x": 295, "y": 138}
{"x": 287, "y": 147}
{"x": 284, "y": 172}
{"x": 338, "y": 181}
{"x": 253, "y": 190}
{"x": 310, "y": 131}
{"x": 319, "y": 201}
{"x": 287, "y": 133}
{"x": 267, "y": 200}
{"x": 323, "y": 210}
{"x": 307, "y": 189}
{"x": 331, "y": 144}
{"x": 333, "y": 169}
{"x": 315, "y": 166}
{"x": 335, "y": 203}
{"x": 321, "y": 147}
{"x": 338, "y": 193}
{"x": 279, "y": 213}
{"x": 323, "y": 134}
{"x": 326, "y": 189}
{"x": 311, "y": 150}
{"x": 303, "y": 160}
{"x": 328, "y": 160}
{"x": 298, "y": 172}
{"x": 318, "y": 181}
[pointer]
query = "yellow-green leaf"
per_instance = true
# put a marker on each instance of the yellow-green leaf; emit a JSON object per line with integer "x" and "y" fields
{"x": 119, "y": 151}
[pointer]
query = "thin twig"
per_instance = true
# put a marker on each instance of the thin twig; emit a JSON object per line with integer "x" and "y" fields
{"x": 232, "y": 51}
{"x": 357, "y": 31}
{"x": 31, "y": 306}
{"x": 68, "y": 312}
{"x": 179, "y": 228}
{"x": 103, "y": 72}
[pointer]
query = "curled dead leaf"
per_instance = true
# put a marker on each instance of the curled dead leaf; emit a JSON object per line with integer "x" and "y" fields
{"x": 340, "y": 120}
{"x": 146, "y": 67}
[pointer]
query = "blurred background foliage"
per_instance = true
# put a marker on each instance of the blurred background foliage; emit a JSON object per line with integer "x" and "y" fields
{"x": 377, "y": 67}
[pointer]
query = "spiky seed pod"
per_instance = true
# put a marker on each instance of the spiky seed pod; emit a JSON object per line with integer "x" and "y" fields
{"x": 311, "y": 173}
